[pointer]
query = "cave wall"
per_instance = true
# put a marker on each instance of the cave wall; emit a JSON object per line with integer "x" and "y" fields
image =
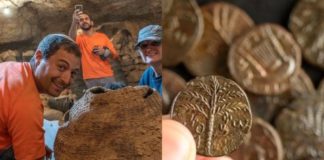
{"x": 30, "y": 21}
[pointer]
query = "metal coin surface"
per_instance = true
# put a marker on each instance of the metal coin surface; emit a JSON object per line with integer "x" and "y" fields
{"x": 182, "y": 25}
{"x": 263, "y": 143}
{"x": 222, "y": 23}
{"x": 264, "y": 60}
{"x": 321, "y": 87}
{"x": 172, "y": 85}
{"x": 216, "y": 111}
{"x": 268, "y": 107}
{"x": 301, "y": 128}
{"x": 307, "y": 25}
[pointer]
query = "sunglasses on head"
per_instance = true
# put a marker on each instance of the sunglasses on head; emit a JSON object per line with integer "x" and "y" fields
{"x": 149, "y": 43}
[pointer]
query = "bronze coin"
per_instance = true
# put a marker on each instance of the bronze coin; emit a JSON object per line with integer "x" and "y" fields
{"x": 268, "y": 107}
{"x": 321, "y": 87}
{"x": 182, "y": 23}
{"x": 228, "y": 20}
{"x": 263, "y": 143}
{"x": 216, "y": 111}
{"x": 210, "y": 55}
{"x": 301, "y": 127}
{"x": 307, "y": 25}
{"x": 172, "y": 85}
{"x": 264, "y": 59}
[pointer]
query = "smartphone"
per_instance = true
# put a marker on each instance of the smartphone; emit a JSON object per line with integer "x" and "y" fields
{"x": 78, "y": 7}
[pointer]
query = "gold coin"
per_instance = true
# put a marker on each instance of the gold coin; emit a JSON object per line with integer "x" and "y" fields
{"x": 307, "y": 25}
{"x": 223, "y": 22}
{"x": 182, "y": 24}
{"x": 301, "y": 128}
{"x": 264, "y": 59}
{"x": 216, "y": 111}
{"x": 263, "y": 143}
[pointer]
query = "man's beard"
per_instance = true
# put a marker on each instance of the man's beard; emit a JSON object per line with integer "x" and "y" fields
{"x": 86, "y": 28}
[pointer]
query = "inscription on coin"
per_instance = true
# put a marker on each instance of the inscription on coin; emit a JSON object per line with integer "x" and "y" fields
{"x": 268, "y": 107}
{"x": 301, "y": 128}
{"x": 223, "y": 22}
{"x": 216, "y": 111}
{"x": 307, "y": 25}
{"x": 263, "y": 143}
{"x": 264, "y": 59}
{"x": 182, "y": 23}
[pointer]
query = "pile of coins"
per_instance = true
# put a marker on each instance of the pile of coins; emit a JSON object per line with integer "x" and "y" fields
{"x": 265, "y": 60}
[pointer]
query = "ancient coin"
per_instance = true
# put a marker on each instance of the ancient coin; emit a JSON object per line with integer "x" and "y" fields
{"x": 268, "y": 107}
{"x": 263, "y": 143}
{"x": 216, "y": 111}
{"x": 223, "y": 22}
{"x": 321, "y": 87}
{"x": 172, "y": 85}
{"x": 264, "y": 59}
{"x": 301, "y": 127}
{"x": 307, "y": 25}
{"x": 183, "y": 26}
{"x": 228, "y": 20}
{"x": 112, "y": 124}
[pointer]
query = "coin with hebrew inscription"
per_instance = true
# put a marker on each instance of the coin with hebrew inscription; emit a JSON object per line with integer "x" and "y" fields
{"x": 321, "y": 87}
{"x": 223, "y": 23}
{"x": 262, "y": 144}
{"x": 301, "y": 127}
{"x": 172, "y": 85}
{"x": 264, "y": 60}
{"x": 268, "y": 106}
{"x": 307, "y": 25}
{"x": 182, "y": 29}
{"x": 216, "y": 111}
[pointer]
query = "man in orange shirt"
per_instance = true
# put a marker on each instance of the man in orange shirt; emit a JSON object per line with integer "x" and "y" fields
{"x": 96, "y": 49}
{"x": 50, "y": 71}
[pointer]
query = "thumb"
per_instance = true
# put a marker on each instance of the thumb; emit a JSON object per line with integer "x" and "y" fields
{"x": 177, "y": 141}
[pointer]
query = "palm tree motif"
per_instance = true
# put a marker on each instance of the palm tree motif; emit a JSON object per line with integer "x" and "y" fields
{"x": 217, "y": 99}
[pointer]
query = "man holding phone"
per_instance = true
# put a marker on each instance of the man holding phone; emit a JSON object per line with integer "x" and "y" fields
{"x": 96, "y": 49}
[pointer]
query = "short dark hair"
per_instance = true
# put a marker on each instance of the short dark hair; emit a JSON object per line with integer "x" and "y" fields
{"x": 53, "y": 42}
{"x": 87, "y": 13}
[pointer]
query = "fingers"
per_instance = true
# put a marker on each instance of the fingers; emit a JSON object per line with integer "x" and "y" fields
{"x": 213, "y": 158}
{"x": 177, "y": 141}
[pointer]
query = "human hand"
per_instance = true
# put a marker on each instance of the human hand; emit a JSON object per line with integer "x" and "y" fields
{"x": 48, "y": 153}
{"x": 98, "y": 50}
{"x": 179, "y": 144}
{"x": 76, "y": 16}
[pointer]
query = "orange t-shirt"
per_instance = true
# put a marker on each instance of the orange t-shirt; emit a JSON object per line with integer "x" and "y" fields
{"x": 21, "y": 112}
{"x": 92, "y": 65}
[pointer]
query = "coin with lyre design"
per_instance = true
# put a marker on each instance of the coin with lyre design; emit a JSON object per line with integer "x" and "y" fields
{"x": 307, "y": 25}
{"x": 268, "y": 106}
{"x": 264, "y": 59}
{"x": 182, "y": 29}
{"x": 216, "y": 111}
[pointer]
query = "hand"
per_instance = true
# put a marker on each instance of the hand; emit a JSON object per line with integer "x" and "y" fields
{"x": 48, "y": 153}
{"x": 98, "y": 50}
{"x": 76, "y": 16}
{"x": 178, "y": 143}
